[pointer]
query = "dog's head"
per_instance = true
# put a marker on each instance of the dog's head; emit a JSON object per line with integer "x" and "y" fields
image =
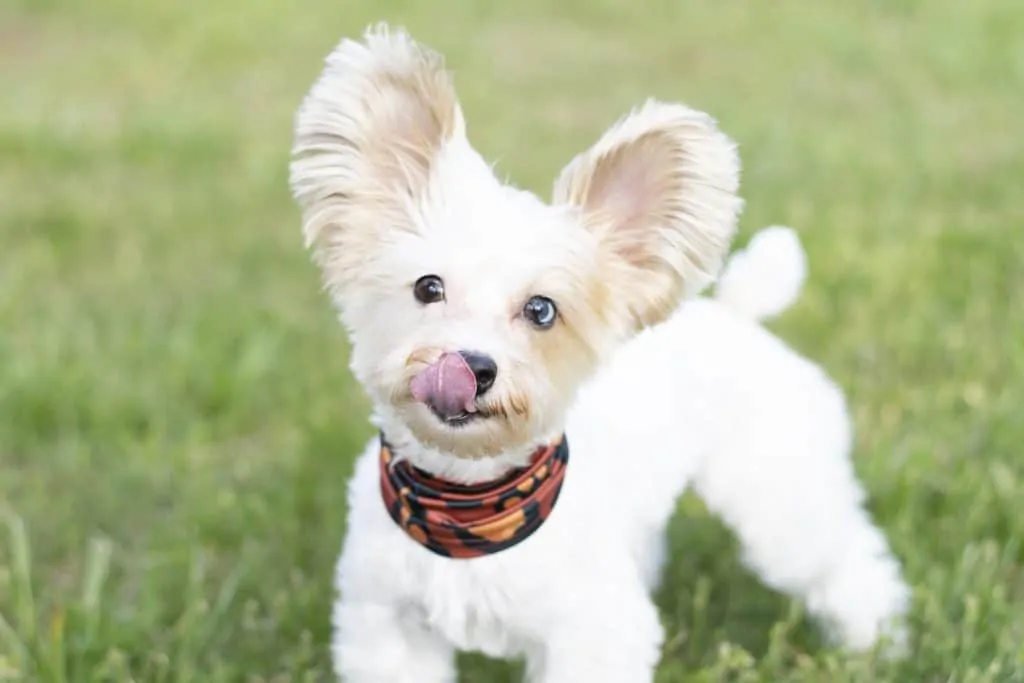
{"x": 475, "y": 310}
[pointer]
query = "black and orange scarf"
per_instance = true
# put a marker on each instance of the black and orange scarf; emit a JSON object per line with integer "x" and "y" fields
{"x": 460, "y": 521}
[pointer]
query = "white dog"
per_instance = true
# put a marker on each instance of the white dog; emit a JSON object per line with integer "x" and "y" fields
{"x": 547, "y": 383}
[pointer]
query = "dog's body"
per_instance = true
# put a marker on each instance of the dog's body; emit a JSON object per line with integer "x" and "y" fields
{"x": 655, "y": 390}
{"x": 708, "y": 399}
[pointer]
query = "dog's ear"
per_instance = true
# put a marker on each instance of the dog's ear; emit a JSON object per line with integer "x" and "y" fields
{"x": 659, "y": 192}
{"x": 367, "y": 137}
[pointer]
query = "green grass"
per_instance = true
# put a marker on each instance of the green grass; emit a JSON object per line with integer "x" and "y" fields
{"x": 176, "y": 417}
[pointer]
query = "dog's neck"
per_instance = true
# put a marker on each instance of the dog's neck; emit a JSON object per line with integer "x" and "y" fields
{"x": 450, "y": 467}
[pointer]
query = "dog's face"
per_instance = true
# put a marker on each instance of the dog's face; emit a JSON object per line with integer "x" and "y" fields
{"x": 475, "y": 310}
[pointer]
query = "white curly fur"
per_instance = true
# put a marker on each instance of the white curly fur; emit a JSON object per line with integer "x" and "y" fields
{"x": 657, "y": 391}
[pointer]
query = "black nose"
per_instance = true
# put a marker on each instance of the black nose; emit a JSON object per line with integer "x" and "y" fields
{"x": 484, "y": 369}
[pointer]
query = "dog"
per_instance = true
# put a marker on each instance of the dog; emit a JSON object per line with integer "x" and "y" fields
{"x": 548, "y": 377}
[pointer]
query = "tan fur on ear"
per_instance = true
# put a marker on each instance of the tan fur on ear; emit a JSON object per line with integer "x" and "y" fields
{"x": 366, "y": 137}
{"x": 659, "y": 191}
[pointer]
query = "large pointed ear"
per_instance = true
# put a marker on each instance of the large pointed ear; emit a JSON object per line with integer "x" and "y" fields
{"x": 659, "y": 192}
{"x": 367, "y": 137}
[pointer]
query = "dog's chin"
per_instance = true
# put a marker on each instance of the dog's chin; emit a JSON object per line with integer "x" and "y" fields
{"x": 459, "y": 420}
{"x": 477, "y": 420}
{"x": 479, "y": 434}
{"x": 427, "y": 421}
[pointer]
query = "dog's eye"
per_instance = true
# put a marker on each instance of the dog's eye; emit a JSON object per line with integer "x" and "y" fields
{"x": 540, "y": 311}
{"x": 429, "y": 289}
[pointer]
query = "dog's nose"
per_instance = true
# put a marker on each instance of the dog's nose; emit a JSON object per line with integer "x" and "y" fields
{"x": 484, "y": 369}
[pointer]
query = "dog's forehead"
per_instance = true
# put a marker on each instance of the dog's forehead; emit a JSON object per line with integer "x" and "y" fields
{"x": 497, "y": 233}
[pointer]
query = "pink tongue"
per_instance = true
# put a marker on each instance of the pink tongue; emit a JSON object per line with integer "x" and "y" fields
{"x": 448, "y": 386}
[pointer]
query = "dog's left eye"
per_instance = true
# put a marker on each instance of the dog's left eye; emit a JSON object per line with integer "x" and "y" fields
{"x": 540, "y": 311}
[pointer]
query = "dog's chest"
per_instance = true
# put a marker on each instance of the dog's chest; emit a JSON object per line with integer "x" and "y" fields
{"x": 476, "y": 605}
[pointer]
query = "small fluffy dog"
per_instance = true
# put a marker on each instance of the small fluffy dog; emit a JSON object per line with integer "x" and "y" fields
{"x": 546, "y": 382}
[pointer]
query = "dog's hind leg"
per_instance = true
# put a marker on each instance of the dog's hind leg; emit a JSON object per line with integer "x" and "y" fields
{"x": 786, "y": 486}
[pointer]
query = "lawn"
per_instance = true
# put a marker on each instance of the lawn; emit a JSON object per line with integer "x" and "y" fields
{"x": 176, "y": 416}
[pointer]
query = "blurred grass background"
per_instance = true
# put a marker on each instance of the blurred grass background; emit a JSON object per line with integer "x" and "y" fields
{"x": 176, "y": 417}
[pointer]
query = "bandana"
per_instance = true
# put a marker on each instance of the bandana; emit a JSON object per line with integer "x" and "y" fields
{"x": 464, "y": 521}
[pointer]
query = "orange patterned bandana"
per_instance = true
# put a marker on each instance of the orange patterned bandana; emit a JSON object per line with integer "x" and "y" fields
{"x": 455, "y": 520}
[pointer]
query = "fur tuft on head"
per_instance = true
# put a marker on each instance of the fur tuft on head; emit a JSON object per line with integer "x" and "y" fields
{"x": 659, "y": 191}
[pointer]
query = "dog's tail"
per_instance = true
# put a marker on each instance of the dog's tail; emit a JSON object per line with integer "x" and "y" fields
{"x": 764, "y": 279}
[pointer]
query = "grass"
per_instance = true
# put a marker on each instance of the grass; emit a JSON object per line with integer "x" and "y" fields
{"x": 176, "y": 417}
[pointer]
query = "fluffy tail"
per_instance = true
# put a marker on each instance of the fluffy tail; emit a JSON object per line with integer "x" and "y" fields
{"x": 764, "y": 279}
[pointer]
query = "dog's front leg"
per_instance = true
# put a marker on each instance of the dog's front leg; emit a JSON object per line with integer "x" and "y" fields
{"x": 619, "y": 641}
{"x": 375, "y": 643}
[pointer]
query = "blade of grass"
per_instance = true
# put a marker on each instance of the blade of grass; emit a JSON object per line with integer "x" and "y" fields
{"x": 24, "y": 602}
{"x": 13, "y": 646}
{"x": 97, "y": 569}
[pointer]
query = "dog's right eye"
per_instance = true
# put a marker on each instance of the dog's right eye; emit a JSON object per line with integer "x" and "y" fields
{"x": 429, "y": 289}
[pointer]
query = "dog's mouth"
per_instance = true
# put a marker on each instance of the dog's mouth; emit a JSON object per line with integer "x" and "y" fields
{"x": 459, "y": 419}
{"x": 448, "y": 388}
